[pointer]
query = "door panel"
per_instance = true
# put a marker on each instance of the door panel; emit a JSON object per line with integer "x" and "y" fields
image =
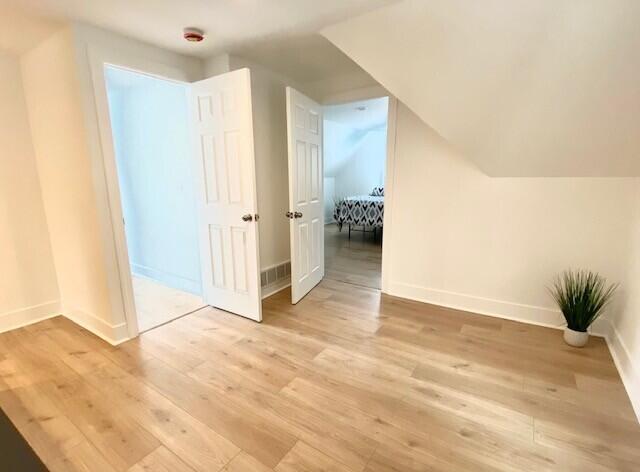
{"x": 225, "y": 170}
{"x": 304, "y": 127}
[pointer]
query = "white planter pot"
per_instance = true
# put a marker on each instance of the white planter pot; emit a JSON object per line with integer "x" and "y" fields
{"x": 575, "y": 338}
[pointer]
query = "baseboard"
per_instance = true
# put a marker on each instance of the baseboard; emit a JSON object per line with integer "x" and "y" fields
{"x": 113, "y": 334}
{"x": 165, "y": 278}
{"x": 483, "y": 306}
{"x": 629, "y": 372}
{"x": 275, "y": 274}
{"x": 275, "y": 288}
{"x": 28, "y": 315}
{"x": 530, "y": 314}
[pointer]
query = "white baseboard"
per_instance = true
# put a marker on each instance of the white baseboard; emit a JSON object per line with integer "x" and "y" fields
{"x": 629, "y": 373}
{"x": 532, "y": 315}
{"x": 28, "y": 315}
{"x": 166, "y": 278}
{"x": 113, "y": 334}
{"x": 272, "y": 289}
{"x": 484, "y": 306}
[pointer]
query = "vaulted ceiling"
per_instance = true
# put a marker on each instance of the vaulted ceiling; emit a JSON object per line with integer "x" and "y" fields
{"x": 522, "y": 88}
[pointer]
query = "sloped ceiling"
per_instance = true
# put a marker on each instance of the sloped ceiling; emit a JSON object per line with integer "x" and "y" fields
{"x": 522, "y": 88}
{"x": 362, "y": 115}
{"x": 305, "y": 58}
{"x": 347, "y": 127}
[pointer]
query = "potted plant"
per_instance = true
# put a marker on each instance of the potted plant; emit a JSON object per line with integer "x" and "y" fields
{"x": 582, "y": 296}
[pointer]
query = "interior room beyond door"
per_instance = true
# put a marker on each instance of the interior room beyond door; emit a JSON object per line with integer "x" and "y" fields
{"x": 150, "y": 128}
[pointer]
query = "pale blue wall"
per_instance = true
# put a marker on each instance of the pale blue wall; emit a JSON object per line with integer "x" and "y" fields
{"x": 365, "y": 167}
{"x": 150, "y": 126}
{"x": 354, "y": 158}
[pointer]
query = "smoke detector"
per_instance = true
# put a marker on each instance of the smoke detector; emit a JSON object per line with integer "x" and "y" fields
{"x": 193, "y": 35}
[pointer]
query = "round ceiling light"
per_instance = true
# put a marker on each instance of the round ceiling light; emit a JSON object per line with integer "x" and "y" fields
{"x": 193, "y": 35}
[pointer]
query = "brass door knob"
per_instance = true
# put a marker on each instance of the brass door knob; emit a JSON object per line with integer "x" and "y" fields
{"x": 247, "y": 217}
{"x": 297, "y": 214}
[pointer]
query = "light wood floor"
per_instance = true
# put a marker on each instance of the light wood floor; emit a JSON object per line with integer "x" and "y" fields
{"x": 157, "y": 304}
{"x": 347, "y": 380}
{"x": 356, "y": 260}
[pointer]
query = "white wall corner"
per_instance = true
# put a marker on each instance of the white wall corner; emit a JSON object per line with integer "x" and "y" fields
{"x": 28, "y": 315}
{"x": 114, "y": 334}
{"x": 629, "y": 372}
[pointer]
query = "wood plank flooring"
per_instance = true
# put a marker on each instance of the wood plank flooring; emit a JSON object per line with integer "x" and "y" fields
{"x": 356, "y": 260}
{"x": 348, "y": 380}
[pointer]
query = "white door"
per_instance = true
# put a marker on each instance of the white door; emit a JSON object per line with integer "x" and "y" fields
{"x": 304, "y": 128}
{"x": 225, "y": 173}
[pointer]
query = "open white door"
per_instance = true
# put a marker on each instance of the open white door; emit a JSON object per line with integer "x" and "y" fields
{"x": 225, "y": 171}
{"x": 304, "y": 128}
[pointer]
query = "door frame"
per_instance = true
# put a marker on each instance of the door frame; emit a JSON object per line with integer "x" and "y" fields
{"x": 118, "y": 266}
{"x": 389, "y": 178}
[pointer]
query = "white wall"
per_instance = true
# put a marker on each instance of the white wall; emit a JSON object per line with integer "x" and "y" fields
{"x": 70, "y": 153}
{"x": 270, "y": 141}
{"x": 149, "y": 119}
{"x": 268, "y": 100}
{"x": 365, "y": 168}
{"x": 492, "y": 245}
{"x": 216, "y": 65}
{"x": 28, "y": 286}
{"x": 625, "y": 338}
{"x": 524, "y": 88}
{"x": 65, "y": 171}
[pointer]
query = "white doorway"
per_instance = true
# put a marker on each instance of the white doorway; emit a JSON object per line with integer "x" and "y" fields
{"x": 149, "y": 122}
{"x": 179, "y": 163}
{"x": 355, "y": 162}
